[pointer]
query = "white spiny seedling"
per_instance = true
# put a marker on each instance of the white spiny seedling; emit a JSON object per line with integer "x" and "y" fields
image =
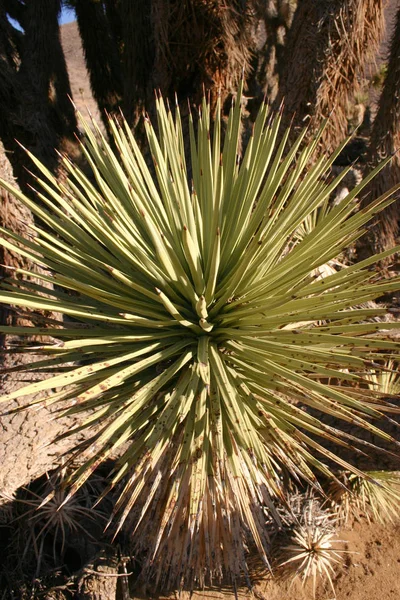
{"x": 311, "y": 553}
{"x": 201, "y": 335}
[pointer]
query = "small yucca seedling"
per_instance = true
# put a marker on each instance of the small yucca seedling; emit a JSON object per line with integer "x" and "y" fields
{"x": 200, "y": 334}
{"x": 376, "y": 497}
{"x": 386, "y": 379}
{"x": 50, "y": 514}
{"x": 312, "y": 553}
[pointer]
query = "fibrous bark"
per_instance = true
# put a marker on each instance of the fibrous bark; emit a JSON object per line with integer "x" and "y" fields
{"x": 273, "y": 21}
{"x": 201, "y": 43}
{"x": 138, "y": 55}
{"x": 384, "y": 142}
{"x": 327, "y": 47}
{"x": 101, "y": 52}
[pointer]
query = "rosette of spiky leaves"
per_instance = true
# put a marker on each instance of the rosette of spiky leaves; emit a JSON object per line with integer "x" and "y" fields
{"x": 312, "y": 553}
{"x": 386, "y": 379}
{"x": 307, "y": 226}
{"x": 376, "y": 497}
{"x": 196, "y": 343}
{"x": 48, "y": 517}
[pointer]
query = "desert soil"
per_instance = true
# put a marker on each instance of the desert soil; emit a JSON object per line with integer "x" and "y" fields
{"x": 371, "y": 565}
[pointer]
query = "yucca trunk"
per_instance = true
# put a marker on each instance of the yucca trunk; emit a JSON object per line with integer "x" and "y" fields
{"x": 43, "y": 68}
{"x": 8, "y": 81}
{"x": 34, "y": 101}
{"x": 327, "y": 47}
{"x": 139, "y": 51}
{"x": 34, "y": 105}
{"x": 35, "y": 110}
{"x": 133, "y": 47}
{"x": 385, "y": 141}
{"x": 114, "y": 19}
{"x": 101, "y": 54}
{"x": 273, "y": 21}
{"x": 181, "y": 46}
{"x": 207, "y": 44}
{"x": 178, "y": 47}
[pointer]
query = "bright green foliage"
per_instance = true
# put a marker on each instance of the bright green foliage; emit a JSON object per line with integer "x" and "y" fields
{"x": 201, "y": 335}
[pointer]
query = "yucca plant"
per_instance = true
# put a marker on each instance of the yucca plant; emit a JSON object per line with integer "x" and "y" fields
{"x": 197, "y": 336}
{"x": 312, "y": 553}
{"x": 47, "y": 515}
{"x": 377, "y": 497}
{"x": 386, "y": 379}
{"x": 307, "y": 226}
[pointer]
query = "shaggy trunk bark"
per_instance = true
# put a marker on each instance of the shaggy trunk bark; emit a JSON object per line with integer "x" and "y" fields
{"x": 202, "y": 43}
{"x": 114, "y": 19}
{"x": 43, "y": 71}
{"x": 385, "y": 141}
{"x": 101, "y": 52}
{"x": 182, "y": 47}
{"x": 274, "y": 19}
{"x": 133, "y": 47}
{"x": 138, "y": 57}
{"x": 327, "y": 48}
{"x": 35, "y": 111}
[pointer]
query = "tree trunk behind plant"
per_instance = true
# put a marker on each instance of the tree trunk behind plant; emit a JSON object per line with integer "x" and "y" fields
{"x": 208, "y": 42}
{"x": 327, "y": 47}
{"x": 134, "y": 47}
{"x": 34, "y": 88}
{"x": 273, "y": 21}
{"x": 114, "y": 18}
{"x": 34, "y": 106}
{"x": 34, "y": 110}
{"x": 101, "y": 50}
{"x": 43, "y": 70}
{"x": 138, "y": 56}
{"x": 385, "y": 141}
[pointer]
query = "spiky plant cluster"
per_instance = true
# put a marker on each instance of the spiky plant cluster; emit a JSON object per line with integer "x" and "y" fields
{"x": 200, "y": 336}
{"x": 311, "y": 553}
{"x": 51, "y": 517}
{"x": 386, "y": 379}
{"x": 375, "y": 496}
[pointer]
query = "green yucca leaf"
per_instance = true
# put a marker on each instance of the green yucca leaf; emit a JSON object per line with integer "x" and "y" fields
{"x": 377, "y": 497}
{"x": 202, "y": 330}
